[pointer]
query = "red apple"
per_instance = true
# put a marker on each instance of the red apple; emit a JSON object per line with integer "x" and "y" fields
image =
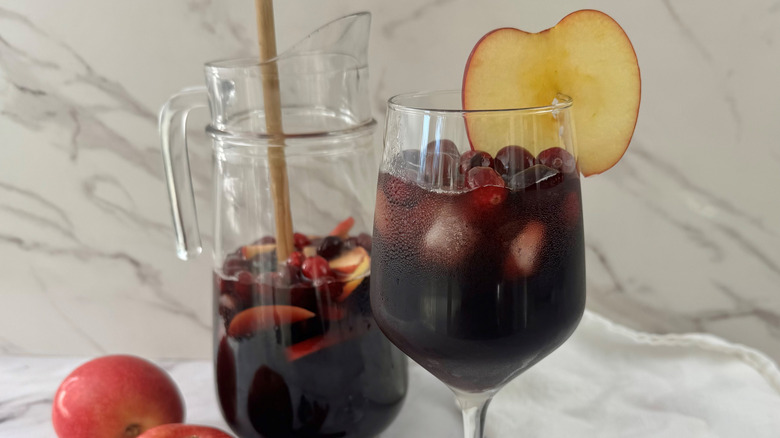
{"x": 586, "y": 56}
{"x": 184, "y": 431}
{"x": 115, "y": 396}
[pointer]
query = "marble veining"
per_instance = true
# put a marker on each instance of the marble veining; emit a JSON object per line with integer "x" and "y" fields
{"x": 682, "y": 234}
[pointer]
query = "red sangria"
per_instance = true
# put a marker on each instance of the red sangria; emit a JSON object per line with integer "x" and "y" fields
{"x": 297, "y": 352}
{"x": 300, "y": 355}
{"x": 479, "y": 282}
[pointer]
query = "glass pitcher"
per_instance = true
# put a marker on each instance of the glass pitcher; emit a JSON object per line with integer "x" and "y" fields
{"x": 296, "y": 349}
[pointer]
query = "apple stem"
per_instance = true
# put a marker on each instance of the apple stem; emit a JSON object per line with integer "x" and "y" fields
{"x": 133, "y": 430}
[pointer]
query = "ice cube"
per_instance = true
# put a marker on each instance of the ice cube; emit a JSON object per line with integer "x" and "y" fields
{"x": 523, "y": 256}
{"x": 449, "y": 239}
{"x": 538, "y": 174}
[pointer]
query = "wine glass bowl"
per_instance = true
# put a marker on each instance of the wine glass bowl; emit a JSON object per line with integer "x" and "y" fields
{"x": 478, "y": 265}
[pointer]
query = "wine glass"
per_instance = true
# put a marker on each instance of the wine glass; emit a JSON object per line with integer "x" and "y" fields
{"x": 478, "y": 268}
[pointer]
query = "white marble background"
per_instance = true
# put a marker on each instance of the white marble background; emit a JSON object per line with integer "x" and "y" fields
{"x": 682, "y": 235}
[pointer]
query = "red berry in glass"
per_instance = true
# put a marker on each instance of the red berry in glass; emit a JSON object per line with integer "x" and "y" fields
{"x": 330, "y": 247}
{"x": 296, "y": 259}
{"x": 558, "y": 159}
{"x": 300, "y": 241}
{"x": 512, "y": 159}
{"x": 315, "y": 267}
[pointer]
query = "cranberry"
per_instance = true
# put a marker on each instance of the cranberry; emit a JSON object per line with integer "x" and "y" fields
{"x": 443, "y": 146}
{"x": 487, "y": 188}
{"x": 481, "y": 159}
{"x": 330, "y": 247}
{"x": 300, "y": 241}
{"x": 465, "y": 161}
{"x": 558, "y": 159}
{"x": 512, "y": 159}
{"x": 483, "y": 176}
{"x": 487, "y": 197}
{"x": 295, "y": 259}
{"x": 315, "y": 267}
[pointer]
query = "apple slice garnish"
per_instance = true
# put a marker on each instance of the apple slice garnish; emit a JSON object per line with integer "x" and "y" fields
{"x": 249, "y": 251}
{"x": 586, "y": 56}
{"x": 346, "y": 263}
{"x": 257, "y": 318}
{"x": 342, "y": 229}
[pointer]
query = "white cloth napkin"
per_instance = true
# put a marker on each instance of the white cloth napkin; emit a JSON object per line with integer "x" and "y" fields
{"x": 610, "y": 381}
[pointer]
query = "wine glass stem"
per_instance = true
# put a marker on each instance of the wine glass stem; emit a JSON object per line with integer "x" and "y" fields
{"x": 474, "y": 407}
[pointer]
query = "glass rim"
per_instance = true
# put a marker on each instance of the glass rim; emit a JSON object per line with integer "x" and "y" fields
{"x": 561, "y": 101}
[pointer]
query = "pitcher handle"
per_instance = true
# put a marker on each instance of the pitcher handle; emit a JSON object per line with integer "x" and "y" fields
{"x": 173, "y": 137}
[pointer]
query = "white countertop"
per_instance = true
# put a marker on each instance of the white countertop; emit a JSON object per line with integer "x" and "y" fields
{"x": 606, "y": 381}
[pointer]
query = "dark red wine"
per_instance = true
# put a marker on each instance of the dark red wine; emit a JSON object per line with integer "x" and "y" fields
{"x": 300, "y": 356}
{"x": 477, "y": 285}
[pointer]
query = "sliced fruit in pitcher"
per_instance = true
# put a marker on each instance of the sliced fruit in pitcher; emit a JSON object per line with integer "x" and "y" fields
{"x": 345, "y": 264}
{"x": 259, "y": 318}
{"x": 342, "y": 229}
{"x": 317, "y": 343}
{"x": 250, "y": 251}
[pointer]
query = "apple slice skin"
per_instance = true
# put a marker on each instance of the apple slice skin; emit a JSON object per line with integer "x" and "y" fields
{"x": 354, "y": 280}
{"x": 317, "y": 343}
{"x": 342, "y": 229}
{"x": 250, "y": 251}
{"x": 345, "y": 264}
{"x": 587, "y": 56}
{"x": 257, "y": 318}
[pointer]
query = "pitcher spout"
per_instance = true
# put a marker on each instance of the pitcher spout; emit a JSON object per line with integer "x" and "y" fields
{"x": 323, "y": 84}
